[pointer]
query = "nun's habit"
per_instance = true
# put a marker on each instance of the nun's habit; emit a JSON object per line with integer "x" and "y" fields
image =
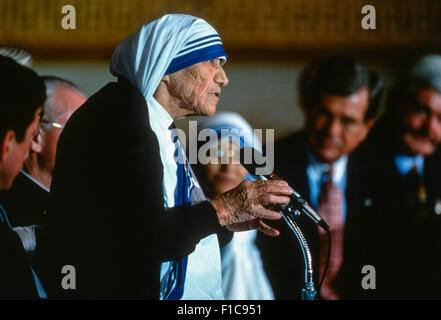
{"x": 113, "y": 215}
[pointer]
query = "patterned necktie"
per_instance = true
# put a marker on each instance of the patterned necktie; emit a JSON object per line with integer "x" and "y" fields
{"x": 330, "y": 208}
{"x": 176, "y": 279}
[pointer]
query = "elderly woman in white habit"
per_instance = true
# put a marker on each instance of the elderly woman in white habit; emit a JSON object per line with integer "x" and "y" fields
{"x": 126, "y": 211}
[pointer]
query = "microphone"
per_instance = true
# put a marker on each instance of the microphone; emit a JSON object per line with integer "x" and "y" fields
{"x": 297, "y": 205}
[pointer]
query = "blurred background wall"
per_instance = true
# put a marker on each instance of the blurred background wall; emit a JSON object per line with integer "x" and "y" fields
{"x": 268, "y": 42}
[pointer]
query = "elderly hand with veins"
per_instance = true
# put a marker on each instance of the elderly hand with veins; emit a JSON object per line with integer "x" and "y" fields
{"x": 244, "y": 207}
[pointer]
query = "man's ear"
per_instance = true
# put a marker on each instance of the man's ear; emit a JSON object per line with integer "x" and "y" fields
{"x": 37, "y": 142}
{"x": 369, "y": 124}
{"x": 368, "y": 127}
{"x": 7, "y": 144}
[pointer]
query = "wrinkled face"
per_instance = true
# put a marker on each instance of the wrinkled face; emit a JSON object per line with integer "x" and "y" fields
{"x": 225, "y": 175}
{"x": 198, "y": 87}
{"x": 337, "y": 126}
{"x": 18, "y": 152}
{"x": 422, "y": 124}
{"x": 68, "y": 101}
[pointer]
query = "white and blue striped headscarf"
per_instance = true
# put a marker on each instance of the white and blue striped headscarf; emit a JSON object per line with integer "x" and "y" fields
{"x": 166, "y": 45}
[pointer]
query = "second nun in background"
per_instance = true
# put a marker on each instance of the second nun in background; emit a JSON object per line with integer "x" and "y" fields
{"x": 243, "y": 277}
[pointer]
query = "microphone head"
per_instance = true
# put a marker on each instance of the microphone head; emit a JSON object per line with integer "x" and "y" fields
{"x": 254, "y": 162}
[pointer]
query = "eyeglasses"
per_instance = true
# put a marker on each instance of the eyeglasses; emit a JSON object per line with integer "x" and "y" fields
{"x": 53, "y": 124}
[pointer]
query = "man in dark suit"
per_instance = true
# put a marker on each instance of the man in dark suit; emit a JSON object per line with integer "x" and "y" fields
{"x": 404, "y": 186}
{"x": 125, "y": 211}
{"x": 26, "y": 202}
{"x": 339, "y": 98}
{"x": 22, "y": 93}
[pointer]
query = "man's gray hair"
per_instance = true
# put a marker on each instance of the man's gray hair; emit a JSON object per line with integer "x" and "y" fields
{"x": 20, "y": 56}
{"x": 51, "y": 110}
{"x": 427, "y": 72}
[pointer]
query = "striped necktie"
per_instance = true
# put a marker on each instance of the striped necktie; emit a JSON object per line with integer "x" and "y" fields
{"x": 331, "y": 209}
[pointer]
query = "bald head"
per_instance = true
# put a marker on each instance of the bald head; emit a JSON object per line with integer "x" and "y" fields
{"x": 63, "y": 98}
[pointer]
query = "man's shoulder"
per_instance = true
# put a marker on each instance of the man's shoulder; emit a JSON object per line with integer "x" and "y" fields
{"x": 290, "y": 158}
{"x": 24, "y": 202}
{"x": 357, "y": 158}
{"x": 23, "y": 183}
{"x": 292, "y": 148}
{"x": 15, "y": 275}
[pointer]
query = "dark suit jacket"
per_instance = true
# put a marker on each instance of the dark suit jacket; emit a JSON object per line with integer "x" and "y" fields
{"x": 407, "y": 242}
{"x": 106, "y": 215}
{"x": 16, "y": 280}
{"x": 282, "y": 257}
{"x": 26, "y": 205}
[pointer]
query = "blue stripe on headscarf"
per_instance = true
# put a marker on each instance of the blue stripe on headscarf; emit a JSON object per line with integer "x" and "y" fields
{"x": 204, "y": 54}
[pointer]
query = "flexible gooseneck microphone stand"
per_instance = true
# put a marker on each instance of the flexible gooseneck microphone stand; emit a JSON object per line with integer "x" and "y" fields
{"x": 297, "y": 206}
{"x": 288, "y": 213}
{"x": 308, "y": 292}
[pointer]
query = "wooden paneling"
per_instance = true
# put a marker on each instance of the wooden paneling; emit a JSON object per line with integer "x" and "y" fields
{"x": 261, "y": 25}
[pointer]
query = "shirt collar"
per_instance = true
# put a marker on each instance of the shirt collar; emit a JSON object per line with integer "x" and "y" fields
{"x": 317, "y": 168}
{"x": 405, "y": 163}
{"x": 34, "y": 180}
